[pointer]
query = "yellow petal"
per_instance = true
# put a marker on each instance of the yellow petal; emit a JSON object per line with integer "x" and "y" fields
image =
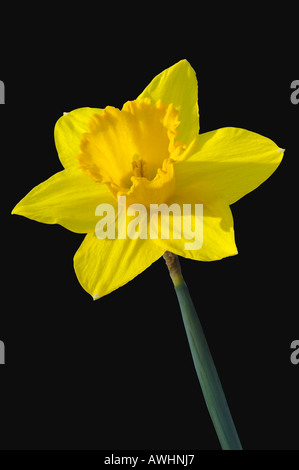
{"x": 105, "y": 265}
{"x": 68, "y": 133}
{"x": 205, "y": 234}
{"x": 178, "y": 85}
{"x": 230, "y": 161}
{"x": 68, "y": 198}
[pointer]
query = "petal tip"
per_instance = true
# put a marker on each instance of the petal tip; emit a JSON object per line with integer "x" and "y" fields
{"x": 15, "y": 210}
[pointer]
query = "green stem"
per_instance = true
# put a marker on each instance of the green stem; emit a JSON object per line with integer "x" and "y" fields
{"x": 203, "y": 361}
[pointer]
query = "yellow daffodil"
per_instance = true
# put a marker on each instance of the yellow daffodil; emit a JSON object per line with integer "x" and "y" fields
{"x": 151, "y": 152}
{"x": 149, "y": 159}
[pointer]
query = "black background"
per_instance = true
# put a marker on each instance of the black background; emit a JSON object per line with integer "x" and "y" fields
{"x": 117, "y": 373}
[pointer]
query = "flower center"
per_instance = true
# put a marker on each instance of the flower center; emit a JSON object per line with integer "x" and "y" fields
{"x": 132, "y": 150}
{"x": 139, "y": 166}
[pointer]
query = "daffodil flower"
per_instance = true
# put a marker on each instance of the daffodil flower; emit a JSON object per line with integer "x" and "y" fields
{"x": 151, "y": 153}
